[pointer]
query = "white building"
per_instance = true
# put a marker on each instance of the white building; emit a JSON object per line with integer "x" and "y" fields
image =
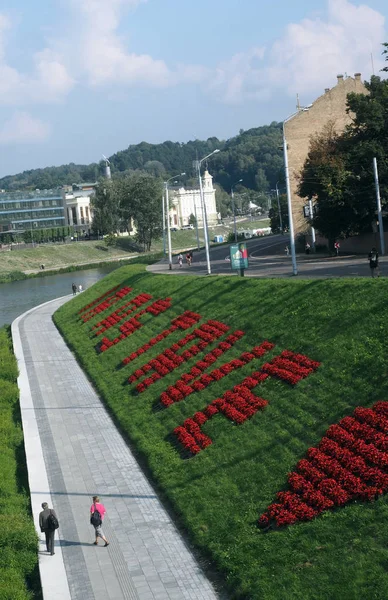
{"x": 78, "y": 212}
{"x": 186, "y": 202}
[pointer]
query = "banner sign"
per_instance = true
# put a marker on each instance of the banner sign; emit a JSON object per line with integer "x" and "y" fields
{"x": 239, "y": 256}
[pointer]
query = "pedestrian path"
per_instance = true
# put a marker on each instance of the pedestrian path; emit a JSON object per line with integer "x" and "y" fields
{"x": 75, "y": 451}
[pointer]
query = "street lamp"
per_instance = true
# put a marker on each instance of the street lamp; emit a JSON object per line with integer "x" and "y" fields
{"x": 203, "y": 206}
{"x": 279, "y": 209}
{"x": 168, "y": 219}
{"x": 233, "y": 209}
{"x": 288, "y": 188}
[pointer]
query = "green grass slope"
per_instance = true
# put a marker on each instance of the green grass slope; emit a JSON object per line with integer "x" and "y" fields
{"x": 55, "y": 256}
{"x": 219, "y": 494}
{"x": 19, "y": 577}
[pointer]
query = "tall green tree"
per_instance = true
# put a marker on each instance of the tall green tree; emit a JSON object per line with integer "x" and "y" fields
{"x": 108, "y": 217}
{"x": 338, "y": 172}
{"x": 140, "y": 199}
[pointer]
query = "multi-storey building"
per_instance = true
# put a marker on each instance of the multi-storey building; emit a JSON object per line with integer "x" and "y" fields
{"x": 26, "y": 211}
{"x": 187, "y": 202}
{"x": 78, "y": 210}
{"x": 330, "y": 107}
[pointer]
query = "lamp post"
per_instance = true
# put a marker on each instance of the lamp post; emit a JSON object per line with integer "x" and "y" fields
{"x": 203, "y": 206}
{"x": 168, "y": 219}
{"x": 164, "y": 224}
{"x": 279, "y": 209}
{"x": 233, "y": 209}
{"x": 288, "y": 188}
{"x": 378, "y": 200}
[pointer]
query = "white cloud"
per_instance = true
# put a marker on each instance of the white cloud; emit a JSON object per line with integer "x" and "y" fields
{"x": 49, "y": 81}
{"x": 103, "y": 53}
{"x": 312, "y": 52}
{"x": 307, "y": 58}
{"x": 23, "y": 128}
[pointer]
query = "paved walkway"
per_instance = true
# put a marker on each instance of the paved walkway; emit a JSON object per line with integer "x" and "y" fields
{"x": 74, "y": 451}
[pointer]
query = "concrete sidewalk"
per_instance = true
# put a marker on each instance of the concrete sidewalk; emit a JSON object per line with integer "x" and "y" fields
{"x": 74, "y": 451}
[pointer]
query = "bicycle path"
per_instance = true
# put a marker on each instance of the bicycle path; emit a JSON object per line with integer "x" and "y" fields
{"x": 74, "y": 451}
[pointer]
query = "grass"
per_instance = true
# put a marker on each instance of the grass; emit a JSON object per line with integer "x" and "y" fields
{"x": 218, "y": 495}
{"x": 56, "y": 256}
{"x": 19, "y": 577}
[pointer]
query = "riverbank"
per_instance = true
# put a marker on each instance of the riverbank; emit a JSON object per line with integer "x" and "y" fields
{"x": 56, "y": 256}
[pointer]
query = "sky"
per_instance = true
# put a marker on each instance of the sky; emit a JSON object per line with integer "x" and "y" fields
{"x": 82, "y": 78}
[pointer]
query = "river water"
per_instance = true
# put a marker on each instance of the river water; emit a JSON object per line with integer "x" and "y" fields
{"x": 19, "y": 296}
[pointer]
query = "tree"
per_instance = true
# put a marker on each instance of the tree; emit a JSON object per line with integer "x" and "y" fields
{"x": 140, "y": 199}
{"x": 274, "y": 214}
{"x": 324, "y": 178}
{"x": 155, "y": 168}
{"x": 192, "y": 220}
{"x": 106, "y": 206}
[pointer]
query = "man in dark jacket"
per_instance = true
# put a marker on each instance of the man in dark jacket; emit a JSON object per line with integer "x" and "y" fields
{"x": 44, "y": 524}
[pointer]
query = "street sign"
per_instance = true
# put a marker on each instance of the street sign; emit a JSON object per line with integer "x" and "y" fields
{"x": 239, "y": 256}
{"x": 306, "y": 211}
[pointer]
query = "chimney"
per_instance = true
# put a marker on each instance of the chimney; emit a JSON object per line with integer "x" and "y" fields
{"x": 357, "y": 76}
{"x": 340, "y": 78}
{"x": 327, "y": 90}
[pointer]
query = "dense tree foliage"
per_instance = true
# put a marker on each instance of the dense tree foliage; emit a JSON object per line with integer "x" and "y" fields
{"x": 338, "y": 171}
{"x": 254, "y": 155}
{"x": 108, "y": 217}
{"x": 135, "y": 199}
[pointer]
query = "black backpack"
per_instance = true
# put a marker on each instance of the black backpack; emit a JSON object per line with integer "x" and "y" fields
{"x": 95, "y": 518}
{"x": 52, "y": 522}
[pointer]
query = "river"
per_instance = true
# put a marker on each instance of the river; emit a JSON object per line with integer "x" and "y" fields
{"x": 19, "y": 296}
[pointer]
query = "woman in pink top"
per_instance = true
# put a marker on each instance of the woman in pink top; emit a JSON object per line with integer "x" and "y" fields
{"x": 97, "y": 513}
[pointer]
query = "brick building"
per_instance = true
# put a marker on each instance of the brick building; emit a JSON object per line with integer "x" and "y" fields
{"x": 331, "y": 106}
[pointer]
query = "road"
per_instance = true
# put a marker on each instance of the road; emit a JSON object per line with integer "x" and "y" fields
{"x": 267, "y": 259}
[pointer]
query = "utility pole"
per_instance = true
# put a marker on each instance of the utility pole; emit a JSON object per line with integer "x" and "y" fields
{"x": 378, "y": 200}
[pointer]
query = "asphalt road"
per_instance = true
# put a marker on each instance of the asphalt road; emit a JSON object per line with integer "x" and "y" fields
{"x": 267, "y": 259}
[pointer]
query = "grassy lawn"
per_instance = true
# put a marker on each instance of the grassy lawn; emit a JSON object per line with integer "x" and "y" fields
{"x": 19, "y": 577}
{"x": 55, "y": 256}
{"x": 219, "y": 494}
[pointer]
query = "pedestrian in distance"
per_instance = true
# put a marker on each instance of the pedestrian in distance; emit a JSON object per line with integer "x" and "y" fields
{"x": 97, "y": 514}
{"x": 74, "y": 288}
{"x": 373, "y": 257}
{"x": 180, "y": 260}
{"x": 188, "y": 259}
{"x": 337, "y": 248}
{"x": 191, "y": 257}
{"x": 307, "y": 248}
{"x": 48, "y": 523}
{"x": 80, "y": 288}
{"x": 287, "y": 251}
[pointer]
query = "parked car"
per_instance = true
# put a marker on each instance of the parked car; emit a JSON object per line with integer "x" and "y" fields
{"x": 188, "y": 226}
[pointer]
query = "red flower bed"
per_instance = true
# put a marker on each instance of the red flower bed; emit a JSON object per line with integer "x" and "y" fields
{"x": 119, "y": 314}
{"x": 183, "y": 322}
{"x": 98, "y": 300}
{"x": 133, "y": 324}
{"x": 169, "y": 360}
{"x": 290, "y": 367}
{"x": 205, "y": 380}
{"x": 350, "y": 463}
{"x": 105, "y": 304}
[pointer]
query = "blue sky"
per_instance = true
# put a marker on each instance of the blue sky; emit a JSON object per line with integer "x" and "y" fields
{"x": 79, "y": 78}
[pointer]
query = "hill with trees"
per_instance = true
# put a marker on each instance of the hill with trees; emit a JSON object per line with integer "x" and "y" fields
{"x": 254, "y": 155}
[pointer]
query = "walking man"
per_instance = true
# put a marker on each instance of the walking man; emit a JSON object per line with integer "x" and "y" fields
{"x": 48, "y": 523}
{"x": 374, "y": 262}
{"x": 97, "y": 513}
{"x": 74, "y": 288}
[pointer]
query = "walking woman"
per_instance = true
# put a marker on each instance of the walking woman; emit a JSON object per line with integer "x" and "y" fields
{"x": 97, "y": 513}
